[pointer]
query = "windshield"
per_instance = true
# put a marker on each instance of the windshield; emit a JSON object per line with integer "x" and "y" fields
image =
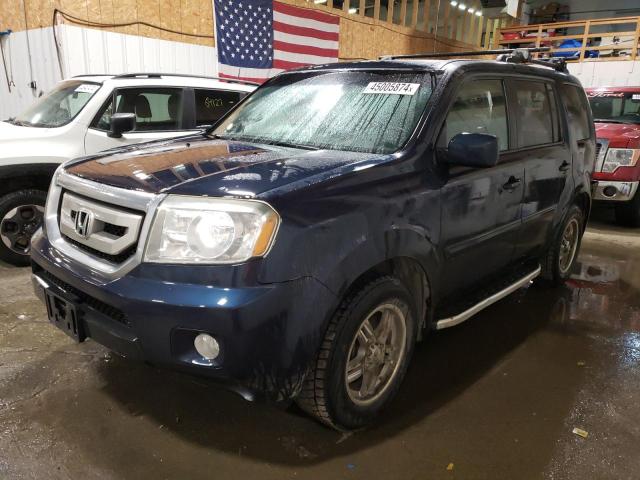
{"x": 373, "y": 112}
{"x": 59, "y": 106}
{"x": 615, "y": 107}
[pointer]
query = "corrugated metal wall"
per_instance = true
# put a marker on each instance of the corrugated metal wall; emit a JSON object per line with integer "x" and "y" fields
{"x": 90, "y": 51}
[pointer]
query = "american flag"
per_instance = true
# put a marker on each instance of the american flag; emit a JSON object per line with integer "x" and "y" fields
{"x": 257, "y": 39}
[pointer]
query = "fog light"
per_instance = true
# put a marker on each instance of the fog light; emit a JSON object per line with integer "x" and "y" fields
{"x": 207, "y": 346}
{"x": 610, "y": 191}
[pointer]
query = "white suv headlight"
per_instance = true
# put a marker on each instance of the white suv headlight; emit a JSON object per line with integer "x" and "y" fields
{"x": 620, "y": 157}
{"x": 210, "y": 230}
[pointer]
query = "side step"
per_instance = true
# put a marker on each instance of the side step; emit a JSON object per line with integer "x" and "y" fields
{"x": 470, "y": 312}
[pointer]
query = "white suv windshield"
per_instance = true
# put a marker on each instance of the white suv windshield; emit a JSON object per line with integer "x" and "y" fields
{"x": 360, "y": 111}
{"x": 59, "y": 106}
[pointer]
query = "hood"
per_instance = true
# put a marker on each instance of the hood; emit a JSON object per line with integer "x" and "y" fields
{"x": 10, "y": 132}
{"x": 212, "y": 167}
{"x": 621, "y": 135}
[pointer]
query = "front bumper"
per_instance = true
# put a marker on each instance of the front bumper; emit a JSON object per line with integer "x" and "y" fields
{"x": 615, "y": 191}
{"x": 269, "y": 334}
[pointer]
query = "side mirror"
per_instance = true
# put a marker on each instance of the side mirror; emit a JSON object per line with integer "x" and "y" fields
{"x": 121, "y": 123}
{"x": 478, "y": 150}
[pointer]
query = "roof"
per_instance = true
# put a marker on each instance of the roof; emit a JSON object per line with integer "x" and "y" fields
{"x": 175, "y": 80}
{"x": 429, "y": 65}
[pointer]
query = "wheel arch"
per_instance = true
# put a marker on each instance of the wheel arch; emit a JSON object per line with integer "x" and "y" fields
{"x": 17, "y": 177}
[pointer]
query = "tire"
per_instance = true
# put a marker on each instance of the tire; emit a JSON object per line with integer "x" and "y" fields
{"x": 21, "y": 215}
{"x": 325, "y": 393}
{"x": 628, "y": 213}
{"x": 556, "y": 268}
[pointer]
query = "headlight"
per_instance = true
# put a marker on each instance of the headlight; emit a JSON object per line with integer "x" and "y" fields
{"x": 620, "y": 157}
{"x": 210, "y": 230}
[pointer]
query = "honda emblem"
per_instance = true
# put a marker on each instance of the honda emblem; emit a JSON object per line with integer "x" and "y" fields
{"x": 84, "y": 219}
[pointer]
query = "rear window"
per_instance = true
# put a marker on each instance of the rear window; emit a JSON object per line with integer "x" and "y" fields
{"x": 578, "y": 109}
{"x": 211, "y": 105}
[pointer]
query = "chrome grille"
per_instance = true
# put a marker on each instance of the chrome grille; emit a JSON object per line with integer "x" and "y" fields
{"x": 107, "y": 231}
{"x": 602, "y": 146}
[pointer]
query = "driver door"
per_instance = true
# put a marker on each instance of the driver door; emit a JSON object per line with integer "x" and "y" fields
{"x": 160, "y": 113}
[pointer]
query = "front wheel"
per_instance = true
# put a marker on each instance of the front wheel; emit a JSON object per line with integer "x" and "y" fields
{"x": 21, "y": 214}
{"x": 561, "y": 255}
{"x": 363, "y": 357}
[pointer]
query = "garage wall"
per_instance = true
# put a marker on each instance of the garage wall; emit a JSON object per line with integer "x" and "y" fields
{"x": 90, "y": 51}
{"x": 599, "y": 74}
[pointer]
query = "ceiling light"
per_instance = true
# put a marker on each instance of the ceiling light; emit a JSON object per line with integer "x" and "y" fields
{"x": 353, "y": 10}
{"x": 471, "y": 10}
{"x": 462, "y": 6}
{"x": 317, "y": 2}
{"x": 478, "y": 13}
{"x": 454, "y": 3}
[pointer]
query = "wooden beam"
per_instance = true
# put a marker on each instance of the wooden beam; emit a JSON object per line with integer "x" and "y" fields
{"x": 390, "y": 7}
{"x": 634, "y": 52}
{"x": 346, "y": 4}
{"x": 478, "y": 41}
{"x": 584, "y": 39}
{"x": 445, "y": 17}
{"x": 363, "y": 4}
{"x": 487, "y": 34}
{"x": 454, "y": 23}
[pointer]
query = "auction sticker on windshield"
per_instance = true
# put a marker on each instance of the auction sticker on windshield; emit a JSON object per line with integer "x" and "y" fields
{"x": 87, "y": 88}
{"x": 393, "y": 88}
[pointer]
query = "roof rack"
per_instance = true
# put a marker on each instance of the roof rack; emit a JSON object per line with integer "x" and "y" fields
{"x": 159, "y": 75}
{"x": 507, "y": 55}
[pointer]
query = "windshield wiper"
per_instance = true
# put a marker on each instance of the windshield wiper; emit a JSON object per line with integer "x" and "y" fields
{"x": 279, "y": 143}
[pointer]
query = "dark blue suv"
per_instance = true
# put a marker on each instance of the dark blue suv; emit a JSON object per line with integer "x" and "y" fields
{"x": 301, "y": 247}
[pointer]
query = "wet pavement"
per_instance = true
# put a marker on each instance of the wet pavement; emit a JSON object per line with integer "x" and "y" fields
{"x": 496, "y": 397}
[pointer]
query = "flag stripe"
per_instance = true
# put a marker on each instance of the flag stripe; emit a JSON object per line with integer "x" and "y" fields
{"x": 286, "y": 65}
{"x": 304, "y": 40}
{"x": 303, "y": 31}
{"x": 305, "y": 13}
{"x": 302, "y": 22}
{"x": 299, "y": 57}
{"x": 303, "y": 49}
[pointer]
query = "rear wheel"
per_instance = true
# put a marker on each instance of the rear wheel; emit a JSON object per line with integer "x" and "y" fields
{"x": 561, "y": 255}
{"x": 628, "y": 213}
{"x": 21, "y": 214}
{"x": 363, "y": 357}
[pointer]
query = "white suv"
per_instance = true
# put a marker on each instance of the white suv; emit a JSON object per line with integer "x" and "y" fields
{"x": 88, "y": 114}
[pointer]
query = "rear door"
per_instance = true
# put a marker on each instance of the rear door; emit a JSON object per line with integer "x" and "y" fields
{"x": 546, "y": 158}
{"x": 481, "y": 207}
{"x": 161, "y": 112}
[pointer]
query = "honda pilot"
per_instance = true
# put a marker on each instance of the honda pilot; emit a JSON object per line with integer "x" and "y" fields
{"x": 302, "y": 246}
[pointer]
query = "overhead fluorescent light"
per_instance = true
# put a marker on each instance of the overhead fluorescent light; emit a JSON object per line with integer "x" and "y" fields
{"x": 478, "y": 13}
{"x": 471, "y": 10}
{"x": 317, "y": 2}
{"x": 353, "y": 10}
{"x": 454, "y": 3}
{"x": 462, "y": 6}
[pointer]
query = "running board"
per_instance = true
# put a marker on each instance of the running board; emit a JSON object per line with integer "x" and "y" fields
{"x": 470, "y": 312}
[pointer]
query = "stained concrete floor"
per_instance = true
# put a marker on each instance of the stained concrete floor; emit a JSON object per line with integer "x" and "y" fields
{"x": 497, "y": 397}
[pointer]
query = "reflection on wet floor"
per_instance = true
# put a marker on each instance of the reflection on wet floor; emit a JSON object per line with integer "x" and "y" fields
{"x": 497, "y": 396}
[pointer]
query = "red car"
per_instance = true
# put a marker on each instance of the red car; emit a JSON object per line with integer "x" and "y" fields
{"x": 616, "y": 112}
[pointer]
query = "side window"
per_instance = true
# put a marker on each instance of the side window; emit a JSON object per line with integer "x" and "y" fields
{"x": 480, "y": 107}
{"x": 577, "y": 106}
{"x": 211, "y": 105}
{"x": 155, "y": 109}
{"x": 536, "y": 114}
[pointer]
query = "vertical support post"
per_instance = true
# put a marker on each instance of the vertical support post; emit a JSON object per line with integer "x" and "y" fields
{"x": 478, "y": 41}
{"x": 363, "y": 4}
{"x": 346, "y": 4}
{"x": 636, "y": 39}
{"x": 447, "y": 12}
{"x": 585, "y": 37}
{"x": 496, "y": 33}
{"x": 390, "y": 7}
{"x": 454, "y": 23}
{"x": 414, "y": 14}
{"x": 329, "y": 3}
{"x": 487, "y": 34}
{"x": 538, "y": 40}
{"x": 376, "y": 10}
{"x": 403, "y": 13}
{"x": 426, "y": 12}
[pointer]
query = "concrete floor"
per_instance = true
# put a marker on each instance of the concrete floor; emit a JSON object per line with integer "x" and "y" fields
{"x": 497, "y": 397}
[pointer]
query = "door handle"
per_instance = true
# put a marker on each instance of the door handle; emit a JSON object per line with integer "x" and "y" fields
{"x": 564, "y": 166}
{"x": 511, "y": 184}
